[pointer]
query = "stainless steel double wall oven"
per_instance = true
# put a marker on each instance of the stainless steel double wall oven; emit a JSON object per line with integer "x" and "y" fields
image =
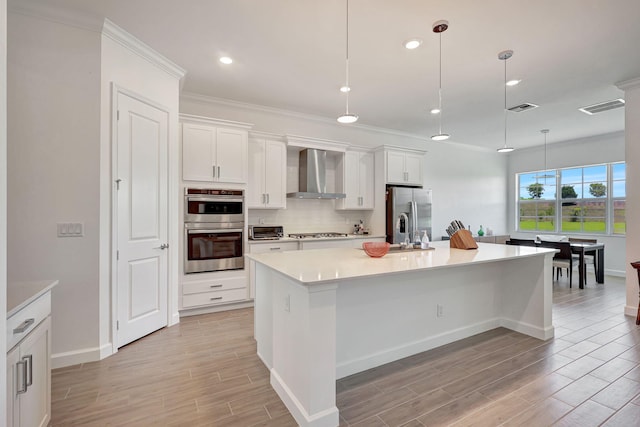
{"x": 213, "y": 230}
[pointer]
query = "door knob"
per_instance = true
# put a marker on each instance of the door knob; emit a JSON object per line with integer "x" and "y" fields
{"x": 163, "y": 246}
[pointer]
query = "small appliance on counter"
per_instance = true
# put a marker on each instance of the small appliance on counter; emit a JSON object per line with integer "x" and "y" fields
{"x": 265, "y": 232}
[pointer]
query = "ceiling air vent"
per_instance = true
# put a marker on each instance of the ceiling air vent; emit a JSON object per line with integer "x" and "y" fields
{"x": 523, "y": 107}
{"x": 603, "y": 106}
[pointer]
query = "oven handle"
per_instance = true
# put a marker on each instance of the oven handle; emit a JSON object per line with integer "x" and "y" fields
{"x": 224, "y": 230}
{"x": 215, "y": 199}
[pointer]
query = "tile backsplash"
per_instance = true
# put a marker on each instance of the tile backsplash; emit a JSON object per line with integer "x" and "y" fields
{"x": 310, "y": 215}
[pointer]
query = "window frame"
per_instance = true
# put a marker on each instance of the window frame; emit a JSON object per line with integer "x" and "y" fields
{"x": 609, "y": 201}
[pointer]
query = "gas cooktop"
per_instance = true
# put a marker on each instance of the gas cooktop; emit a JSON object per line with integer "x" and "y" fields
{"x": 316, "y": 235}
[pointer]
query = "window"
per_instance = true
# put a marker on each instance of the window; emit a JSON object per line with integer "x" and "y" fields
{"x": 591, "y": 200}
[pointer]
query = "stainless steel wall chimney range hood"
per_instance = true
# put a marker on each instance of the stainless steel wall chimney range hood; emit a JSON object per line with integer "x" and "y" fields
{"x": 312, "y": 176}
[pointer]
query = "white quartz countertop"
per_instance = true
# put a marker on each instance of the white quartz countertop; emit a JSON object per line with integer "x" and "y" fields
{"x": 330, "y": 265}
{"x": 20, "y": 294}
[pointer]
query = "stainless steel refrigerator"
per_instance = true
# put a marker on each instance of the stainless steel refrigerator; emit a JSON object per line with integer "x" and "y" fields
{"x": 408, "y": 213}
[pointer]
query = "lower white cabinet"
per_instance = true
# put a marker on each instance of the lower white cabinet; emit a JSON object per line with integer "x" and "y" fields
{"x": 209, "y": 289}
{"x": 29, "y": 366}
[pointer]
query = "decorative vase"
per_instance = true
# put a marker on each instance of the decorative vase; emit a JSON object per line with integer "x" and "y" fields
{"x": 481, "y": 232}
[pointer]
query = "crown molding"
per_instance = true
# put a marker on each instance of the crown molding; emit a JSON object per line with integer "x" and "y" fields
{"x": 141, "y": 49}
{"x": 317, "y": 143}
{"x": 629, "y": 84}
{"x": 201, "y": 120}
{"x": 206, "y": 99}
{"x": 59, "y": 15}
{"x": 267, "y": 135}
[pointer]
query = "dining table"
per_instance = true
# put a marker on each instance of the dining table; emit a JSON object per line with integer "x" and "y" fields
{"x": 595, "y": 249}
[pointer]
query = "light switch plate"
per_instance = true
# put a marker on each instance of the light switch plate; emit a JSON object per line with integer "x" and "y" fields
{"x": 70, "y": 229}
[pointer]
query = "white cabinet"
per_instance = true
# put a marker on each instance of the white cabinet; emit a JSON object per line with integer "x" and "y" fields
{"x": 260, "y": 248}
{"x": 267, "y": 187}
{"x": 213, "y": 154}
{"x": 354, "y": 176}
{"x": 29, "y": 365}
{"x": 403, "y": 167}
{"x": 211, "y": 289}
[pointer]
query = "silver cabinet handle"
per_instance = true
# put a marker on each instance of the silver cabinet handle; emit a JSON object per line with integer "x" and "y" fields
{"x": 29, "y": 361}
{"x": 214, "y": 171}
{"x": 23, "y": 384}
{"x": 264, "y": 199}
{"x": 268, "y": 201}
{"x": 215, "y": 298}
{"x": 162, "y": 246}
{"x": 215, "y": 286}
{"x": 274, "y": 249}
{"x": 24, "y": 326}
{"x": 218, "y": 171}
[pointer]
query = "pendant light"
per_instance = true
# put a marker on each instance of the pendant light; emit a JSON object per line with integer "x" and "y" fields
{"x": 347, "y": 118}
{"x": 440, "y": 27}
{"x": 503, "y": 56}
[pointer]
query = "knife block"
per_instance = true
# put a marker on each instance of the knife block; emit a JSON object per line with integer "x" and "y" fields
{"x": 462, "y": 239}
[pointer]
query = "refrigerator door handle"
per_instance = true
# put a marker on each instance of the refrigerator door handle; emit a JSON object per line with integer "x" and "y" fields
{"x": 414, "y": 219}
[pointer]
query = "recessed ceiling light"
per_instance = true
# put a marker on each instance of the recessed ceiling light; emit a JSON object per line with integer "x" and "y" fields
{"x": 226, "y": 60}
{"x": 513, "y": 82}
{"x": 412, "y": 43}
{"x": 345, "y": 89}
{"x": 435, "y": 111}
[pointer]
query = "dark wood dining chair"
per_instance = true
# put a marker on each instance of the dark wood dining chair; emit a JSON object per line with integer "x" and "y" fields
{"x": 520, "y": 242}
{"x": 562, "y": 259}
{"x": 589, "y": 257}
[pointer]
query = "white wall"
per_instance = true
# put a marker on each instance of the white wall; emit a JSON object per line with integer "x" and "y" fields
{"x": 467, "y": 184}
{"x": 632, "y": 151}
{"x": 585, "y": 151}
{"x": 3, "y": 202}
{"x": 53, "y": 169}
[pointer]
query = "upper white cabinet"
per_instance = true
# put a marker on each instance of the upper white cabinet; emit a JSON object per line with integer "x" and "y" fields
{"x": 403, "y": 167}
{"x": 214, "y": 150}
{"x": 354, "y": 176}
{"x": 267, "y": 187}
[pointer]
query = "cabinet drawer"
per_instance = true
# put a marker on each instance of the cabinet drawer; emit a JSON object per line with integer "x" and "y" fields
{"x": 214, "y": 285}
{"x": 260, "y": 248}
{"x": 210, "y": 298}
{"x": 25, "y": 320}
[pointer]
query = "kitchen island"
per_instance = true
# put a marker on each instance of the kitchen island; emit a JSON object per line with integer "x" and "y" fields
{"x": 325, "y": 314}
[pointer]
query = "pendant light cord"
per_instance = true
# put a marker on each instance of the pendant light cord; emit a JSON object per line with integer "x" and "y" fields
{"x": 505, "y": 102}
{"x": 440, "y": 89}
{"x": 347, "y": 61}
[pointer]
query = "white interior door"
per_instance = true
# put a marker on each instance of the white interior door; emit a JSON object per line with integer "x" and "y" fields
{"x": 141, "y": 176}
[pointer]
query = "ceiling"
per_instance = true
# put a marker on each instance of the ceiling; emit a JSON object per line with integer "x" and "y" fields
{"x": 290, "y": 54}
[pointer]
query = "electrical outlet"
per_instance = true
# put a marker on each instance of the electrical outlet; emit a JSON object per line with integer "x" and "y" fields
{"x": 261, "y": 221}
{"x": 439, "y": 310}
{"x": 287, "y": 303}
{"x": 70, "y": 229}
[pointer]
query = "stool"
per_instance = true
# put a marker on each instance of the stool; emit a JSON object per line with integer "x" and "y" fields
{"x": 636, "y": 265}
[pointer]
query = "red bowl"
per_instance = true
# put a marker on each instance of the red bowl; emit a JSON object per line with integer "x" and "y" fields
{"x": 376, "y": 249}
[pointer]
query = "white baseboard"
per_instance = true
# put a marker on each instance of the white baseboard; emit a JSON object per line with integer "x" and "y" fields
{"x": 349, "y": 367}
{"x": 326, "y": 418}
{"x": 174, "y": 319}
{"x": 615, "y": 273}
{"x": 70, "y": 358}
{"x": 215, "y": 309}
{"x": 630, "y": 311}
{"x": 528, "y": 329}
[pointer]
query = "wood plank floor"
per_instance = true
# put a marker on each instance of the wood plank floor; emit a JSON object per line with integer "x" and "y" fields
{"x": 205, "y": 372}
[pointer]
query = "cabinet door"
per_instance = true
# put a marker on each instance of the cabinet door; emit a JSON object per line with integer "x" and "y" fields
{"x": 13, "y": 418}
{"x": 366, "y": 180}
{"x": 198, "y": 144}
{"x": 231, "y": 156}
{"x": 35, "y": 404}
{"x": 256, "y": 186}
{"x": 413, "y": 168}
{"x": 275, "y": 174}
{"x": 395, "y": 167}
{"x": 352, "y": 180}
